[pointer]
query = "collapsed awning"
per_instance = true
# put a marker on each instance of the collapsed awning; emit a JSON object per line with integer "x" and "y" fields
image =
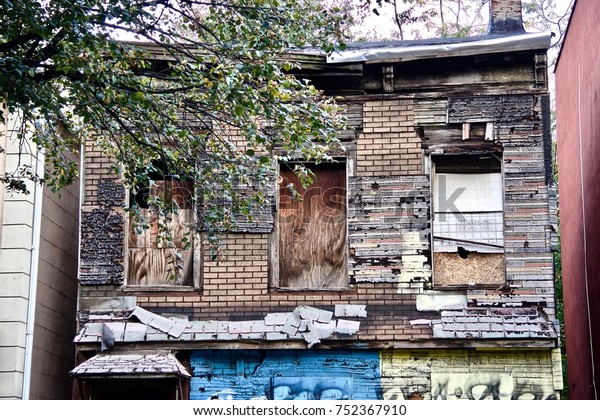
{"x": 141, "y": 366}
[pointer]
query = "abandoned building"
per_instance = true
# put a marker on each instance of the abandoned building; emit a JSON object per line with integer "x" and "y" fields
{"x": 423, "y": 270}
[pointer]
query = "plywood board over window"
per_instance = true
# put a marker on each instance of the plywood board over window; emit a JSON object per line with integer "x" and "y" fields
{"x": 154, "y": 260}
{"x": 468, "y": 222}
{"x": 312, "y": 231}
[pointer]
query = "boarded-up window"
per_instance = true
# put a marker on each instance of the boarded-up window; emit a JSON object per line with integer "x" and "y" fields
{"x": 468, "y": 223}
{"x": 162, "y": 254}
{"x": 312, "y": 231}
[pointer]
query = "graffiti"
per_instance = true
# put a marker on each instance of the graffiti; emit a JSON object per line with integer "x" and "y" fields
{"x": 359, "y": 374}
{"x": 312, "y": 388}
{"x": 478, "y": 386}
{"x": 529, "y": 390}
{"x": 318, "y": 375}
{"x": 402, "y": 393}
{"x": 490, "y": 386}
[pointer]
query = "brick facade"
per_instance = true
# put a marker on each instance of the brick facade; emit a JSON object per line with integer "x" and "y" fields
{"x": 388, "y": 145}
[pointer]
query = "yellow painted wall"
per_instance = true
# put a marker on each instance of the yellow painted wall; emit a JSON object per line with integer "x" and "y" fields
{"x": 462, "y": 374}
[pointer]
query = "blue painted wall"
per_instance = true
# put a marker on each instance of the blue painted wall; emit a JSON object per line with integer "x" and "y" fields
{"x": 285, "y": 374}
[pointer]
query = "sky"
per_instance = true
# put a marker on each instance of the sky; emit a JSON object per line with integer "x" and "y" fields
{"x": 384, "y": 26}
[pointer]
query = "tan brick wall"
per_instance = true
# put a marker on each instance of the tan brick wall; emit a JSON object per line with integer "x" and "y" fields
{"x": 97, "y": 166}
{"x": 506, "y": 9}
{"x": 236, "y": 286}
{"x": 239, "y": 273}
{"x": 462, "y": 374}
{"x": 389, "y": 144}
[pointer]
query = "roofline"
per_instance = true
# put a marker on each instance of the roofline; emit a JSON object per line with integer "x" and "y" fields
{"x": 522, "y": 42}
{"x": 565, "y": 37}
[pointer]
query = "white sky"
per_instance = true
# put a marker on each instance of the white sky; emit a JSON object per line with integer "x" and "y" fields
{"x": 384, "y": 24}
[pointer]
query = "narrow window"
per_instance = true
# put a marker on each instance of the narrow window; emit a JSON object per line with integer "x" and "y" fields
{"x": 312, "y": 230}
{"x": 468, "y": 223}
{"x": 162, "y": 254}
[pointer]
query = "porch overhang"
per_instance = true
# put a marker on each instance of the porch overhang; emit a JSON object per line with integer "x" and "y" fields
{"x": 131, "y": 366}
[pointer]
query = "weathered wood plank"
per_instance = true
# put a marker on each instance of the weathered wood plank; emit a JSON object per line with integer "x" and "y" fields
{"x": 389, "y": 229}
{"x": 499, "y": 108}
{"x": 159, "y": 267}
{"x": 312, "y": 232}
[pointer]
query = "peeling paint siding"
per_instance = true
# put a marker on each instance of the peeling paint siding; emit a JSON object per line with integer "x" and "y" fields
{"x": 102, "y": 237}
{"x": 490, "y": 108}
{"x": 389, "y": 374}
{"x": 249, "y": 374}
{"x": 388, "y": 230}
{"x": 430, "y": 111}
{"x": 527, "y": 221}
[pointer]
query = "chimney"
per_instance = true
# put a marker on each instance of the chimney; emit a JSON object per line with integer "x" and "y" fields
{"x": 505, "y": 17}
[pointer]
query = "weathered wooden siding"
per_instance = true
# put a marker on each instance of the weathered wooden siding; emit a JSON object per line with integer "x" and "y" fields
{"x": 389, "y": 230}
{"x": 499, "y": 108}
{"x": 465, "y": 75}
{"x": 312, "y": 232}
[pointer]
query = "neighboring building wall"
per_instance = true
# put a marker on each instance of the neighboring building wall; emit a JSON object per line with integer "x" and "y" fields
{"x": 578, "y": 123}
{"x": 15, "y": 260}
{"x": 53, "y": 351}
{"x": 3, "y": 137}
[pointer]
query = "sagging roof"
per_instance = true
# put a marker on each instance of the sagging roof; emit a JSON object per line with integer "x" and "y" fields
{"x": 395, "y": 51}
{"x": 131, "y": 365}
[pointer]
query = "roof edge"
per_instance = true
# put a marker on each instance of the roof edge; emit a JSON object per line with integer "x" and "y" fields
{"x": 521, "y": 42}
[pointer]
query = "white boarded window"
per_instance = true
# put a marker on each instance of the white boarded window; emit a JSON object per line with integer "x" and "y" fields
{"x": 468, "y": 222}
{"x": 468, "y": 211}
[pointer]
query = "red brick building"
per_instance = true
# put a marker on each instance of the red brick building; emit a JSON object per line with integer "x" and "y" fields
{"x": 577, "y": 85}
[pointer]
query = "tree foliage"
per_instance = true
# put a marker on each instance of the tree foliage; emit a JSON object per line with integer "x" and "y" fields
{"x": 545, "y": 15}
{"x": 200, "y": 85}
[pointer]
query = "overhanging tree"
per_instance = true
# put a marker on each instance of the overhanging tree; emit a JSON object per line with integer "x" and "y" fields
{"x": 189, "y": 74}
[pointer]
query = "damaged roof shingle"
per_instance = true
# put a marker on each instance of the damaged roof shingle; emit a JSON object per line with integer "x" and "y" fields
{"x": 305, "y": 322}
{"x": 106, "y": 365}
{"x": 493, "y": 323}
